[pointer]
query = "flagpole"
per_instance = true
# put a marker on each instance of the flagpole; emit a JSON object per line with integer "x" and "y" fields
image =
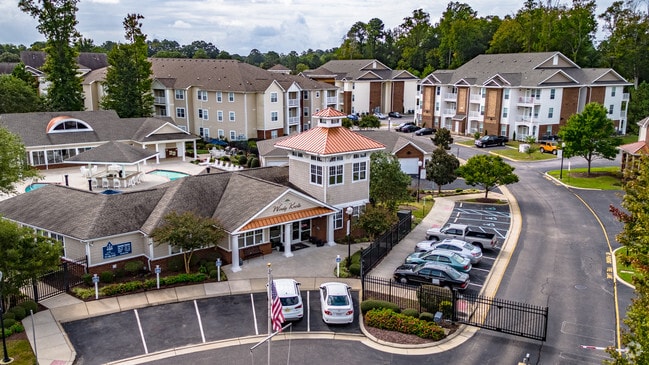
{"x": 270, "y": 301}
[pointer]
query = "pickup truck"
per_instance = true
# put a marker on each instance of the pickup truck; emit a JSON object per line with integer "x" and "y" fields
{"x": 549, "y": 146}
{"x": 491, "y": 140}
{"x": 463, "y": 232}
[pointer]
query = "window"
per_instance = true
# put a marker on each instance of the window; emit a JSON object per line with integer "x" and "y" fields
{"x": 505, "y": 112}
{"x": 336, "y": 175}
{"x": 180, "y": 112}
{"x": 180, "y": 94}
{"x": 273, "y": 116}
{"x": 338, "y": 220}
{"x": 316, "y": 174}
{"x": 273, "y": 97}
{"x": 536, "y": 93}
{"x": 202, "y": 95}
{"x": 481, "y": 109}
{"x": 437, "y": 106}
{"x": 219, "y": 97}
{"x": 353, "y": 97}
{"x": 552, "y": 92}
{"x": 438, "y": 90}
{"x": 483, "y": 92}
{"x": 613, "y": 90}
{"x": 550, "y": 112}
{"x": 305, "y": 95}
{"x": 536, "y": 112}
{"x": 233, "y": 135}
{"x": 221, "y": 134}
{"x": 306, "y": 111}
{"x": 203, "y": 114}
{"x": 610, "y": 109}
{"x": 232, "y": 116}
{"x": 250, "y": 238}
{"x": 231, "y": 97}
{"x": 219, "y": 115}
{"x": 359, "y": 171}
{"x": 273, "y": 134}
{"x": 506, "y": 94}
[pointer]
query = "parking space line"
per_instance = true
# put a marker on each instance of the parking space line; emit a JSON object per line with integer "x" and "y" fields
{"x": 254, "y": 314}
{"x": 479, "y": 269}
{"x": 139, "y": 326}
{"x": 200, "y": 322}
{"x": 308, "y": 311}
{"x": 474, "y": 284}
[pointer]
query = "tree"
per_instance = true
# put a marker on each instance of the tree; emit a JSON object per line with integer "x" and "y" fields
{"x": 21, "y": 72}
{"x": 13, "y": 164}
{"x": 16, "y": 96}
{"x": 128, "y": 79}
{"x": 487, "y": 171}
{"x": 369, "y": 121}
{"x": 9, "y": 57}
{"x": 25, "y": 256}
{"x": 388, "y": 184}
{"x": 57, "y": 21}
{"x": 441, "y": 168}
{"x": 635, "y": 237}
{"x": 590, "y": 134}
{"x": 188, "y": 232}
{"x": 442, "y": 138}
{"x": 638, "y": 106}
{"x": 376, "y": 220}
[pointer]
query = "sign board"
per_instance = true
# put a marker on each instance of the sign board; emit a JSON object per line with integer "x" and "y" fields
{"x": 95, "y": 279}
{"x": 338, "y": 259}
{"x": 158, "y": 270}
{"x": 111, "y": 250}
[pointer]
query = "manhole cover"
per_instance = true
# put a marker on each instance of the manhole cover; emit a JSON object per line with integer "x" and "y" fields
{"x": 581, "y": 287}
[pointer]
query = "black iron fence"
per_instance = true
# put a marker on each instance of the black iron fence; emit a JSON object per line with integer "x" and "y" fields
{"x": 515, "y": 318}
{"x": 68, "y": 275}
{"x": 382, "y": 245}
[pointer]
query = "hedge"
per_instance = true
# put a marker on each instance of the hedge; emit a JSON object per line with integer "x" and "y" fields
{"x": 389, "y": 320}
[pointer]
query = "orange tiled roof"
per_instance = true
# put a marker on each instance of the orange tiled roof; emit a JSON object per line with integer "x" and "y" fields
{"x": 287, "y": 217}
{"x": 328, "y": 141}
{"x": 329, "y": 113}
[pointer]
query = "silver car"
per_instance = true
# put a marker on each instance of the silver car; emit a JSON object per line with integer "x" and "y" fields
{"x": 464, "y": 249}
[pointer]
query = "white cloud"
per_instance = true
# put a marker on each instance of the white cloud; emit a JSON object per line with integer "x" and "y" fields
{"x": 181, "y": 24}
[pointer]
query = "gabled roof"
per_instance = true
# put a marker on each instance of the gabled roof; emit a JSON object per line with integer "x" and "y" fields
{"x": 364, "y": 69}
{"x": 329, "y": 141}
{"x": 88, "y": 60}
{"x": 113, "y": 152}
{"x": 394, "y": 142}
{"x": 635, "y": 148}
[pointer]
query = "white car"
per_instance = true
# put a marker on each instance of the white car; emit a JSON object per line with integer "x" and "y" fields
{"x": 288, "y": 291}
{"x": 336, "y": 303}
{"x": 463, "y": 248}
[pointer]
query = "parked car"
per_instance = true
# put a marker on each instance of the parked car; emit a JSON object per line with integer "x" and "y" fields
{"x": 410, "y": 128}
{"x": 549, "y": 146}
{"x": 353, "y": 118}
{"x": 401, "y": 125}
{"x": 336, "y": 303}
{"x": 425, "y": 131}
{"x": 478, "y": 238}
{"x": 444, "y": 257}
{"x": 431, "y": 273}
{"x": 381, "y": 116}
{"x": 463, "y": 248}
{"x": 491, "y": 140}
{"x": 549, "y": 137}
{"x": 394, "y": 115}
{"x": 288, "y": 291}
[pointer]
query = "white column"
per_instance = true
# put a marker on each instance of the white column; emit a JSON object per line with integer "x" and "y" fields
{"x": 288, "y": 235}
{"x": 330, "y": 230}
{"x": 234, "y": 243}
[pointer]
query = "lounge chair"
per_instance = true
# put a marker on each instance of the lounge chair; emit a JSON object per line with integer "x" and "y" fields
{"x": 104, "y": 183}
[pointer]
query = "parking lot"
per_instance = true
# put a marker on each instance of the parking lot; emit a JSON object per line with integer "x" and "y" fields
{"x": 146, "y": 330}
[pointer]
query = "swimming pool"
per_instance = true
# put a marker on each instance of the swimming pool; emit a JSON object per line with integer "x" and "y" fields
{"x": 34, "y": 186}
{"x": 169, "y": 174}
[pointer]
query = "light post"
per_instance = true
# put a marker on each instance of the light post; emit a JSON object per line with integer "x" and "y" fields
{"x": 349, "y": 212}
{"x": 419, "y": 164}
{"x": 563, "y": 145}
{"x": 6, "y": 359}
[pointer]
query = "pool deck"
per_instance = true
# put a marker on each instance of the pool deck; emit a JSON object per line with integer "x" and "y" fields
{"x": 77, "y": 180}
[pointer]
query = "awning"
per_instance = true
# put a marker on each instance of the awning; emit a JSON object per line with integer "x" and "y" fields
{"x": 287, "y": 217}
{"x": 459, "y": 117}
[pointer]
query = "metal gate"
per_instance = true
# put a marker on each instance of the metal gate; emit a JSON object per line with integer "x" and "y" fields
{"x": 68, "y": 275}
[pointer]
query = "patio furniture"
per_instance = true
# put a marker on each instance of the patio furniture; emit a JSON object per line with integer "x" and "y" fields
{"x": 95, "y": 183}
{"x": 104, "y": 183}
{"x": 116, "y": 184}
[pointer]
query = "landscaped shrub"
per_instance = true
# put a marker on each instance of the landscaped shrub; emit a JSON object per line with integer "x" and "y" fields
{"x": 7, "y": 332}
{"x": 19, "y": 312}
{"x": 106, "y": 277}
{"x": 368, "y": 305}
{"x": 355, "y": 269}
{"x": 17, "y": 328}
{"x": 427, "y": 316}
{"x": 254, "y": 162}
{"x": 410, "y": 312}
{"x": 389, "y": 320}
{"x": 133, "y": 267}
{"x": 176, "y": 264}
{"x": 243, "y": 160}
{"x": 446, "y": 307}
{"x": 87, "y": 279}
{"x": 29, "y": 305}
{"x": 430, "y": 297}
{"x": 8, "y": 315}
{"x": 8, "y": 322}
{"x": 225, "y": 158}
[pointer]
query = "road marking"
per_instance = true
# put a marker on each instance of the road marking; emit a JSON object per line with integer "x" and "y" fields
{"x": 474, "y": 284}
{"x": 479, "y": 269}
{"x": 139, "y": 326}
{"x": 254, "y": 314}
{"x": 308, "y": 312}
{"x": 200, "y": 322}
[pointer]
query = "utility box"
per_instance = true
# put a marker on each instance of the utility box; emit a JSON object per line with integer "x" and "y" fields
{"x": 523, "y": 148}
{"x": 438, "y": 317}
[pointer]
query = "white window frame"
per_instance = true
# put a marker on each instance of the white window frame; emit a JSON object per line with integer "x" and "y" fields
{"x": 203, "y": 114}
{"x": 179, "y": 94}
{"x": 274, "y": 134}
{"x": 611, "y": 108}
{"x": 201, "y": 95}
{"x": 336, "y": 175}
{"x": 316, "y": 174}
{"x": 251, "y": 238}
{"x": 613, "y": 90}
{"x": 221, "y": 133}
{"x": 359, "y": 171}
{"x": 274, "y": 116}
{"x": 550, "y": 112}
{"x": 505, "y": 112}
{"x": 219, "y": 115}
{"x": 219, "y": 97}
{"x": 180, "y": 111}
{"x": 338, "y": 220}
{"x": 273, "y": 97}
{"x": 231, "y": 97}
{"x": 506, "y": 94}
{"x": 232, "y": 117}
{"x": 552, "y": 94}
{"x": 233, "y": 135}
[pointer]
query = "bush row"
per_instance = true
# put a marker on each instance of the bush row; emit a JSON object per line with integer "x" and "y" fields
{"x": 133, "y": 286}
{"x": 387, "y": 319}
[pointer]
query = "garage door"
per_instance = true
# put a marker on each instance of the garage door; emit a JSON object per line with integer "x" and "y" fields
{"x": 409, "y": 165}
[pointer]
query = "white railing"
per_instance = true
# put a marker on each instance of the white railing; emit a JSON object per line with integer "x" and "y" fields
{"x": 293, "y": 102}
{"x": 450, "y": 111}
{"x": 476, "y": 97}
{"x": 293, "y": 120}
{"x": 160, "y": 100}
{"x": 451, "y": 96}
{"x": 475, "y": 114}
{"x": 332, "y": 100}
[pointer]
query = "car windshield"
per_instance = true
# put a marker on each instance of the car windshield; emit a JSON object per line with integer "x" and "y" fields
{"x": 454, "y": 274}
{"x": 288, "y": 301}
{"x": 469, "y": 246}
{"x": 337, "y": 300}
{"x": 484, "y": 138}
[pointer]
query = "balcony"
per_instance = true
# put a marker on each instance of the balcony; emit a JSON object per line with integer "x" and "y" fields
{"x": 528, "y": 100}
{"x": 450, "y": 96}
{"x": 476, "y": 98}
{"x": 159, "y": 100}
{"x": 450, "y": 111}
{"x": 332, "y": 100}
{"x": 475, "y": 114}
{"x": 293, "y": 102}
{"x": 293, "y": 120}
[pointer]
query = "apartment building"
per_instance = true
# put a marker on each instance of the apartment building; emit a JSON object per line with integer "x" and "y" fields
{"x": 369, "y": 86}
{"x": 518, "y": 95}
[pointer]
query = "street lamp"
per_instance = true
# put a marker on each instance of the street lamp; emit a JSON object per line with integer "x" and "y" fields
{"x": 349, "y": 212}
{"x": 563, "y": 145}
{"x": 419, "y": 164}
{"x": 6, "y": 359}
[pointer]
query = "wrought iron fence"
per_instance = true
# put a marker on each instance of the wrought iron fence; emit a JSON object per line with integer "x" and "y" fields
{"x": 68, "y": 275}
{"x": 382, "y": 245}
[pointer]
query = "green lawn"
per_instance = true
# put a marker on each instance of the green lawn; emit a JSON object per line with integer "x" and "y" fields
{"x": 21, "y": 352}
{"x": 604, "y": 178}
{"x": 624, "y": 272}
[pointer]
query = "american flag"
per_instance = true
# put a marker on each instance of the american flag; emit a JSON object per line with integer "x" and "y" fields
{"x": 276, "y": 314}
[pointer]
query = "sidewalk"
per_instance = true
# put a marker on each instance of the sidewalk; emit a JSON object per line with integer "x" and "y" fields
{"x": 53, "y": 347}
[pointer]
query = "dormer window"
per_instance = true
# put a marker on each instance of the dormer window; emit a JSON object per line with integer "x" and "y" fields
{"x": 64, "y": 124}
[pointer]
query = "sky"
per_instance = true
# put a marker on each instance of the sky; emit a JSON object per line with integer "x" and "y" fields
{"x": 238, "y": 26}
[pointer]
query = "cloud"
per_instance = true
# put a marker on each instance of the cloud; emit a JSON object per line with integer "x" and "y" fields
{"x": 181, "y": 24}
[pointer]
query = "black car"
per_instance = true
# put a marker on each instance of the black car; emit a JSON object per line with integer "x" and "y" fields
{"x": 398, "y": 128}
{"x": 394, "y": 115}
{"x": 409, "y": 128}
{"x": 425, "y": 131}
{"x": 431, "y": 273}
{"x": 491, "y": 140}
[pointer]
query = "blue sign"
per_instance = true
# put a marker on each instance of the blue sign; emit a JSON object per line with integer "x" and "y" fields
{"x": 119, "y": 249}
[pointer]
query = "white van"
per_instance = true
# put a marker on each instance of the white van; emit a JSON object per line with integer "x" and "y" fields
{"x": 288, "y": 291}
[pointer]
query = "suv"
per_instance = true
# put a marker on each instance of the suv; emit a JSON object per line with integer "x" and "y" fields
{"x": 288, "y": 291}
{"x": 550, "y": 147}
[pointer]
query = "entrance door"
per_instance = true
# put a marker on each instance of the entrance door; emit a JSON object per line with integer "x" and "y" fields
{"x": 301, "y": 231}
